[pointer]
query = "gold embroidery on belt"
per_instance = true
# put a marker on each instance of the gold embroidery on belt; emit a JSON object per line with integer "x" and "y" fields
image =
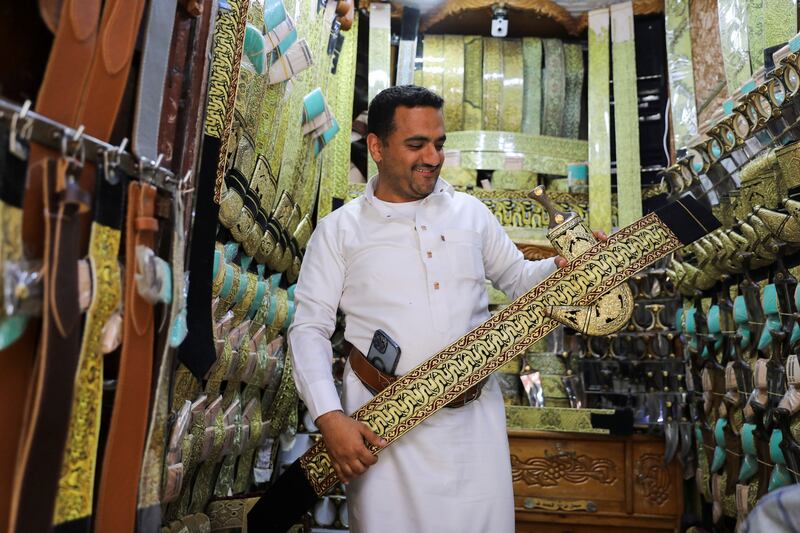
{"x": 431, "y": 385}
{"x": 76, "y": 485}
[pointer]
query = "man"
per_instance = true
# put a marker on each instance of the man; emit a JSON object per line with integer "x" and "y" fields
{"x": 409, "y": 257}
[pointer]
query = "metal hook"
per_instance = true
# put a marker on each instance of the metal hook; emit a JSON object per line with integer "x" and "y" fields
{"x": 20, "y": 133}
{"x": 145, "y": 173}
{"x": 76, "y": 155}
{"x": 111, "y": 160}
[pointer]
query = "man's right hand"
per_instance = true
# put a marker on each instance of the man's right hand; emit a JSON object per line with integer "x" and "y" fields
{"x": 345, "y": 439}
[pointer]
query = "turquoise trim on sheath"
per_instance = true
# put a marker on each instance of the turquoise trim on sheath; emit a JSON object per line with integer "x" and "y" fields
{"x": 227, "y": 282}
{"x": 719, "y": 452}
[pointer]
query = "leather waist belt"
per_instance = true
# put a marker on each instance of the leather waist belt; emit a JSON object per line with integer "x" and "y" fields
{"x": 116, "y": 504}
{"x": 39, "y": 464}
{"x": 58, "y": 98}
{"x": 376, "y": 381}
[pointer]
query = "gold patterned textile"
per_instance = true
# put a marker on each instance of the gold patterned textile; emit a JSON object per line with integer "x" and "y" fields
{"x": 513, "y": 85}
{"x": 492, "y": 83}
{"x": 554, "y": 419}
{"x": 626, "y": 115}
{"x": 532, "y": 91}
{"x": 433, "y": 63}
{"x": 599, "y": 134}
{"x": 473, "y": 82}
{"x": 453, "y": 82}
{"x": 333, "y": 183}
{"x": 228, "y": 42}
{"x": 76, "y": 485}
{"x": 431, "y": 385}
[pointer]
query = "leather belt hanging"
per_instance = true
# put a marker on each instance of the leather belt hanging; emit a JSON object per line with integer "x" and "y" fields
{"x": 36, "y": 482}
{"x": 58, "y": 98}
{"x": 95, "y": 68}
{"x": 116, "y": 504}
{"x": 177, "y": 140}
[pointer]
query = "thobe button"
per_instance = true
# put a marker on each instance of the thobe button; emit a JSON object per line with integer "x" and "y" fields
{"x": 436, "y": 285}
{"x": 430, "y": 254}
{"x": 423, "y": 227}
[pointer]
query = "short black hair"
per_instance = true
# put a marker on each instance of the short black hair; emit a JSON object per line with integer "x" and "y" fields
{"x": 380, "y": 117}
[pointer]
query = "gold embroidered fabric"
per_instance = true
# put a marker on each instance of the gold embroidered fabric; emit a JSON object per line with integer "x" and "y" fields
{"x": 434, "y": 383}
{"x": 76, "y": 485}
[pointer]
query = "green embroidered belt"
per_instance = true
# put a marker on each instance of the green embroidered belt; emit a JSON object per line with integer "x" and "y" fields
{"x": 532, "y": 91}
{"x": 626, "y": 115}
{"x": 554, "y": 419}
{"x": 492, "y": 83}
{"x": 756, "y": 35}
{"x": 599, "y": 134}
{"x": 513, "y": 85}
{"x": 153, "y": 462}
{"x": 554, "y": 88}
{"x": 681, "y": 75}
{"x": 780, "y": 22}
{"x": 733, "y": 39}
{"x": 453, "y": 82}
{"x": 333, "y": 183}
{"x": 473, "y": 82}
{"x": 573, "y": 60}
{"x": 379, "y": 58}
{"x": 433, "y": 63}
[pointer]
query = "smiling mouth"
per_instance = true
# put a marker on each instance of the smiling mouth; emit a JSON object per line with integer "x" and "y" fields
{"x": 426, "y": 172}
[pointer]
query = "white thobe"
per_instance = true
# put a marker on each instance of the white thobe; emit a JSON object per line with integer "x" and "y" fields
{"x": 422, "y": 282}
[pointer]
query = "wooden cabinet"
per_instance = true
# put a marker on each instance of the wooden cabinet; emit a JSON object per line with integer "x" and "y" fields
{"x": 576, "y": 483}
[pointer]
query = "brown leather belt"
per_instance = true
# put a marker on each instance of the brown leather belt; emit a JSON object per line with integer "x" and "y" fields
{"x": 58, "y": 98}
{"x": 376, "y": 381}
{"x": 50, "y": 400}
{"x": 122, "y": 461}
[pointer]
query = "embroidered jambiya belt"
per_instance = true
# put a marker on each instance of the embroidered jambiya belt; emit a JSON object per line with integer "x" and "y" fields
{"x": 76, "y": 485}
{"x": 116, "y": 504}
{"x": 588, "y": 286}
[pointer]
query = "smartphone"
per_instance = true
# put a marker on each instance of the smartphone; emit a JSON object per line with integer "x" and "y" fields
{"x": 384, "y": 353}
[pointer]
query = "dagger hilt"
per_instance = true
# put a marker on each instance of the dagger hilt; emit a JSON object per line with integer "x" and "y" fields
{"x": 556, "y": 217}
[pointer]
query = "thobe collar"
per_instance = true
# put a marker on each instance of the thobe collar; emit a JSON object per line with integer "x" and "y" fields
{"x": 441, "y": 191}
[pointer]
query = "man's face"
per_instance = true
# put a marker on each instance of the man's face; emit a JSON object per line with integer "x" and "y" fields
{"x": 410, "y": 159}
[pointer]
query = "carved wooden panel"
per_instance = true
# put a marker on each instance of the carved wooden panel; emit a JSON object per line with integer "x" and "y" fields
{"x": 562, "y": 466}
{"x": 655, "y": 485}
{"x": 565, "y": 469}
{"x": 578, "y": 482}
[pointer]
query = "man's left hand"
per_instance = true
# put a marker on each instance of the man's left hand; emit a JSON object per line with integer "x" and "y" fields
{"x": 599, "y": 235}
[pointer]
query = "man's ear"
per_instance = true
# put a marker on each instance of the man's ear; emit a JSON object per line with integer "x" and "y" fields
{"x": 375, "y": 147}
